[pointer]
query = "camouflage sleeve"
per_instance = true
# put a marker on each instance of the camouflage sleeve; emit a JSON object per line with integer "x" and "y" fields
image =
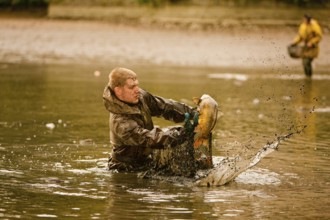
{"x": 168, "y": 108}
{"x": 134, "y": 135}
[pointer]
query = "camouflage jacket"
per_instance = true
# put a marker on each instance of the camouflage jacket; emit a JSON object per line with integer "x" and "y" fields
{"x": 132, "y": 133}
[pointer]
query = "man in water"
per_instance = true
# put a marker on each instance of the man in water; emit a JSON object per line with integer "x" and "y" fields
{"x": 310, "y": 34}
{"x": 132, "y": 133}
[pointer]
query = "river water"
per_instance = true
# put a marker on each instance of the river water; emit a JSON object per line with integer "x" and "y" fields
{"x": 54, "y": 145}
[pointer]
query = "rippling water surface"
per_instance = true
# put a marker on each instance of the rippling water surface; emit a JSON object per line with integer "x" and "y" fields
{"x": 54, "y": 146}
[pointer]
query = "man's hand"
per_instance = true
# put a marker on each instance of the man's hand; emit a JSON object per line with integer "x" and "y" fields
{"x": 293, "y": 44}
{"x": 188, "y": 125}
{"x": 310, "y": 45}
{"x": 181, "y": 134}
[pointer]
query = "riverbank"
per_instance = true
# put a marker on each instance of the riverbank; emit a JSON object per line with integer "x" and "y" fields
{"x": 99, "y": 42}
{"x": 206, "y": 17}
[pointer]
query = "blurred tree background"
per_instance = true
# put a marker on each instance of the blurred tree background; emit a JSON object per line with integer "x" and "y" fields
{"x": 23, "y": 4}
{"x": 30, "y": 4}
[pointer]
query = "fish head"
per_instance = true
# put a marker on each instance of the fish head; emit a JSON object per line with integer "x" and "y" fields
{"x": 207, "y": 108}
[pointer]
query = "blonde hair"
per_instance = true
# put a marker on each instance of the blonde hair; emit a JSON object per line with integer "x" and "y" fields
{"x": 119, "y": 75}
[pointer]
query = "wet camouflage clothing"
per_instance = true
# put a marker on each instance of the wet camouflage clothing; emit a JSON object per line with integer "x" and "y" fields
{"x": 132, "y": 133}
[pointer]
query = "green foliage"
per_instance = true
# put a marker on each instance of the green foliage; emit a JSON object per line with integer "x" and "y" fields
{"x": 305, "y": 3}
{"x": 23, "y": 3}
{"x": 4, "y": 3}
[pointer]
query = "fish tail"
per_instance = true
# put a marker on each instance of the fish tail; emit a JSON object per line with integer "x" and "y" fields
{"x": 203, "y": 152}
{"x": 201, "y": 142}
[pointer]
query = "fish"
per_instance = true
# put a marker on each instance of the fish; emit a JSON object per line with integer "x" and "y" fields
{"x": 207, "y": 109}
{"x": 195, "y": 152}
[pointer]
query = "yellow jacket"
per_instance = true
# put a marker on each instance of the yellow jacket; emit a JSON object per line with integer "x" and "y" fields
{"x": 309, "y": 34}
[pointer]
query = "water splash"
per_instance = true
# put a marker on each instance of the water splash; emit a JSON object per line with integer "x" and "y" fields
{"x": 226, "y": 170}
{"x": 229, "y": 168}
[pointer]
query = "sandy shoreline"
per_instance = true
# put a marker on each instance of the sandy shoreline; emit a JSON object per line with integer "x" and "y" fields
{"x": 65, "y": 41}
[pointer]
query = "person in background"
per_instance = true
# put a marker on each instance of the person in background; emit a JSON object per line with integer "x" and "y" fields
{"x": 310, "y": 34}
{"x": 133, "y": 135}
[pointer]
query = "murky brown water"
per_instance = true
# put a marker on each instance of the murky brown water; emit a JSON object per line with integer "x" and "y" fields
{"x": 60, "y": 172}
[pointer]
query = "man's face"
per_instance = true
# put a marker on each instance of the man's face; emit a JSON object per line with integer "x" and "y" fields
{"x": 129, "y": 92}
